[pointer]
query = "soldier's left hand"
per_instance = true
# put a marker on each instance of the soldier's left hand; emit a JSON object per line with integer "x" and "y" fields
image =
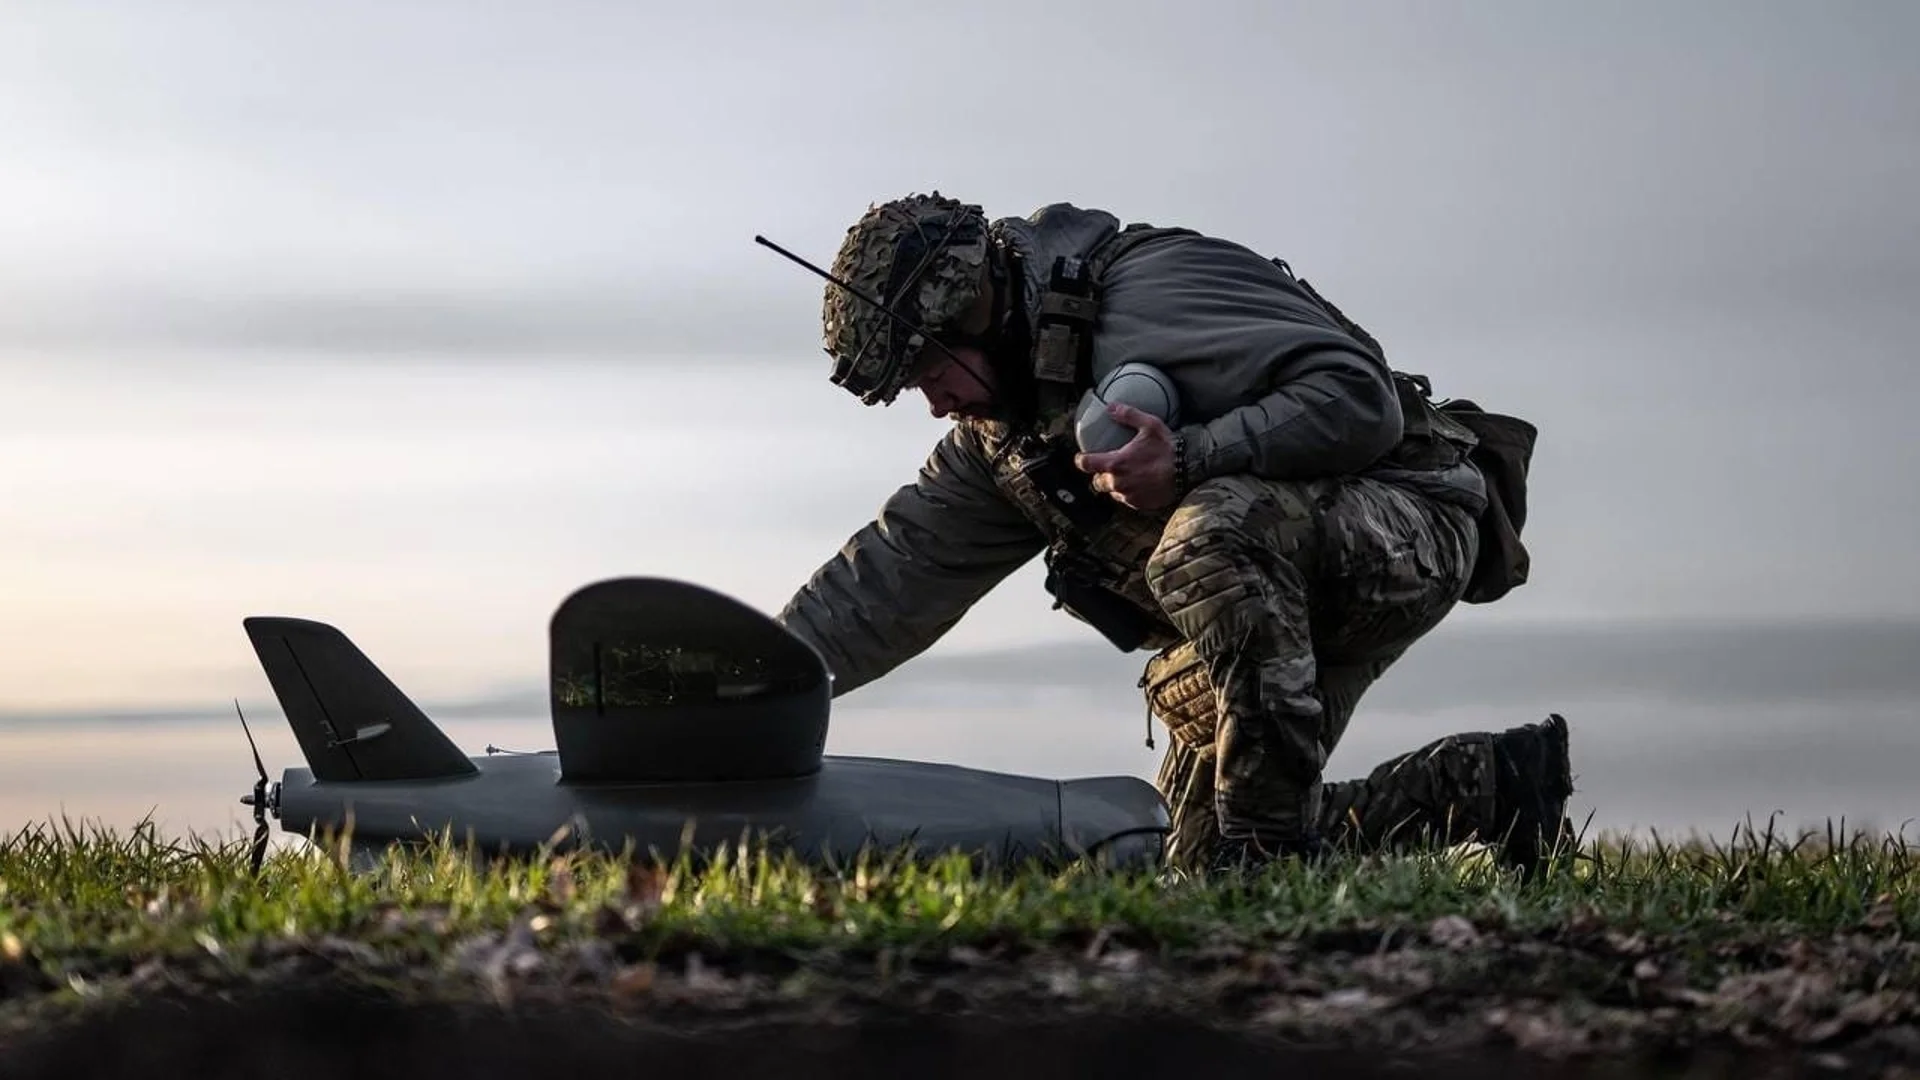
{"x": 1139, "y": 474}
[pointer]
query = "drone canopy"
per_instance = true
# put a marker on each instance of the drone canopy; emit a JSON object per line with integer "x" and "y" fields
{"x": 654, "y": 679}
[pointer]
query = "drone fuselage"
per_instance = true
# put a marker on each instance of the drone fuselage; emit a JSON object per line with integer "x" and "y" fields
{"x": 515, "y": 804}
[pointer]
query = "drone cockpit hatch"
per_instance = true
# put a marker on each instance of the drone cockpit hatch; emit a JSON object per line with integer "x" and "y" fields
{"x": 657, "y": 680}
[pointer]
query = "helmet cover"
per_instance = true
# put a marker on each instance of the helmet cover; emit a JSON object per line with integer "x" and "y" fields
{"x": 923, "y": 257}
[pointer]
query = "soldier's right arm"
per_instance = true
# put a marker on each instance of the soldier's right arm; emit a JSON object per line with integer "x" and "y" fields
{"x": 935, "y": 548}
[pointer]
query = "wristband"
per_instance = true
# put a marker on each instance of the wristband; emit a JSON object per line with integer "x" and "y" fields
{"x": 1182, "y": 480}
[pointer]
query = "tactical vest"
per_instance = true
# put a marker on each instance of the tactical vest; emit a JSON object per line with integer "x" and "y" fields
{"x": 1097, "y": 550}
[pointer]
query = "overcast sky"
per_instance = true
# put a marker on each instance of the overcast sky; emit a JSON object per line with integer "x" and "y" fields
{"x": 415, "y": 317}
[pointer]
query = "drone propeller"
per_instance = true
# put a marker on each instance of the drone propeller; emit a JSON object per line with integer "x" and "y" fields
{"x": 258, "y": 799}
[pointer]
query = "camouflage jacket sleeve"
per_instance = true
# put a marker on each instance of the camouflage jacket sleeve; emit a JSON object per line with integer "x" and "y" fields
{"x": 1271, "y": 384}
{"x": 936, "y": 547}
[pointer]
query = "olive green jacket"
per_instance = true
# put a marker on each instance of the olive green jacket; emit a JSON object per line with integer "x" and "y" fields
{"x": 1270, "y": 384}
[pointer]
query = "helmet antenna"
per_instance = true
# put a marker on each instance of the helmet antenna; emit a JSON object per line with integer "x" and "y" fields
{"x": 882, "y": 308}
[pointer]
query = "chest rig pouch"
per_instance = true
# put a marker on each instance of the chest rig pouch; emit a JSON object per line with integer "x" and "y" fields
{"x": 1094, "y": 564}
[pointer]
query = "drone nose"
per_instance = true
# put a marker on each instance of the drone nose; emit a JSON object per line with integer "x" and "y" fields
{"x": 247, "y": 799}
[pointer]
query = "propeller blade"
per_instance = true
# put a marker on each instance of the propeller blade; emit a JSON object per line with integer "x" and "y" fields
{"x": 258, "y": 799}
{"x": 259, "y": 846}
{"x": 257, "y": 764}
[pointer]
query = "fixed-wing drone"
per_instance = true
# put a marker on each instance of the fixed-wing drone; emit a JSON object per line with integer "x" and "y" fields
{"x": 681, "y": 717}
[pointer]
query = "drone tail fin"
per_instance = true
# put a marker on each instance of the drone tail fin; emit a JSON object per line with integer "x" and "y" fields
{"x": 351, "y": 721}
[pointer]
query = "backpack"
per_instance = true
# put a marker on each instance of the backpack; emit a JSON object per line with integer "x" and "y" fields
{"x": 1503, "y": 452}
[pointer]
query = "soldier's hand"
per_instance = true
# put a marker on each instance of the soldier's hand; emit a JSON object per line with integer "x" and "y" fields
{"x": 1139, "y": 474}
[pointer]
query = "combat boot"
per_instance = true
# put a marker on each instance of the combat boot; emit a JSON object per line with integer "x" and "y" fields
{"x": 1533, "y": 775}
{"x": 1250, "y": 856}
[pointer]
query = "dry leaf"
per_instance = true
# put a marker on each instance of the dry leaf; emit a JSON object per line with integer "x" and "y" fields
{"x": 560, "y": 884}
{"x": 1627, "y": 944}
{"x": 646, "y": 886}
{"x": 634, "y": 980}
{"x": 1353, "y": 997}
{"x": 966, "y": 956}
{"x": 1882, "y": 915}
{"x": 1452, "y": 932}
{"x": 701, "y": 977}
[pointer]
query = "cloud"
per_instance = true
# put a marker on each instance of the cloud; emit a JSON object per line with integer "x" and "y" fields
{"x": 516, "y": 184}
{"x": 1683, "y": 664}
{"x": 1680, "y": 664}
{"x": 1829, "y": 662}
{"x": 618, "y": 320}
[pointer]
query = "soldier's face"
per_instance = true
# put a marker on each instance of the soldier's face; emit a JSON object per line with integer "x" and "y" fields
{"x": 958, "y": 380}
{"x": 958, "y": 385}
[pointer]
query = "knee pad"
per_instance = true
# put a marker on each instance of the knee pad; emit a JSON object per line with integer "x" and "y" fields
{"x": 1228, "y": 537}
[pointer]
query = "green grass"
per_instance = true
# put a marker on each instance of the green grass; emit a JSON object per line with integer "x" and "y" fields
{"x": 1808, "y": 941}
{"x": 75, "y": 899}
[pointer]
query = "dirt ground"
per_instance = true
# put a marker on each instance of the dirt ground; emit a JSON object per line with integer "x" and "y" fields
{"x": 301, "y": 1033}
{"x": 1450, "y": 1002}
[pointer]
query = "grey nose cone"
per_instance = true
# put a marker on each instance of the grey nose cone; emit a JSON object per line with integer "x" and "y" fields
{"x": 1142, "y": 386}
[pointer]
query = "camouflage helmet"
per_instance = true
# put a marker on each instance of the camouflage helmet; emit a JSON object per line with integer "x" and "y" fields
{"x": 922, "y": 256}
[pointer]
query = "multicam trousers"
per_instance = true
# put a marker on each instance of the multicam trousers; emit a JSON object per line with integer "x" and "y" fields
{"x": 1293, "y": 597}
{"x": 1441, "y": 793}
